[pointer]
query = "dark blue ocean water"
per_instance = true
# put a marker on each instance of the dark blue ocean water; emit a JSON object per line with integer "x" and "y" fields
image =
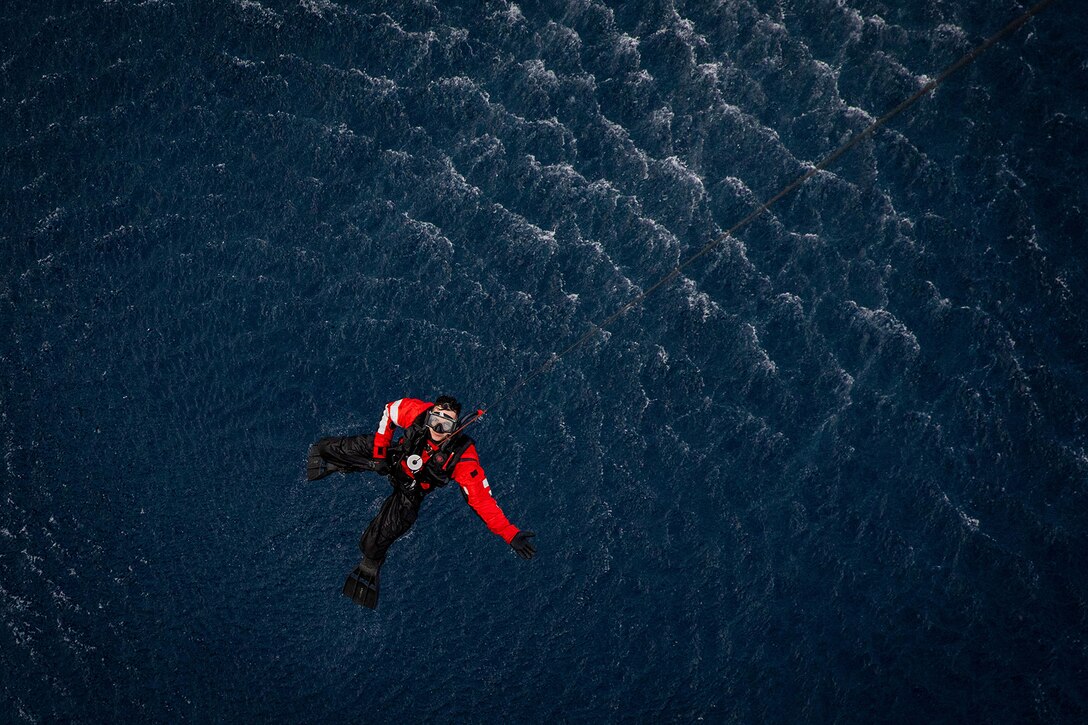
{"x": 835, "y": 473}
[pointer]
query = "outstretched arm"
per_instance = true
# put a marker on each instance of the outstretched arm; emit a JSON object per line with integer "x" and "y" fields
{"x": 470, "y": 476}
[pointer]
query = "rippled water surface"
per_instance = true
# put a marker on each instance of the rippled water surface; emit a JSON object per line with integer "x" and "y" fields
{"x": 835, "y": 472}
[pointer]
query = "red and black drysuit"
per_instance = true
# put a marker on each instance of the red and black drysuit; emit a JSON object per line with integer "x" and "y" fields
{"x": 453, "y": 459}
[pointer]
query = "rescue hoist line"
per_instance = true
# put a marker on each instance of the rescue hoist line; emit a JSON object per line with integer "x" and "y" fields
{"x": 826, "y": 162}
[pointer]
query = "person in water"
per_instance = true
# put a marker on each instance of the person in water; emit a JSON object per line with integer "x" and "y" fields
{"x": 430, "y": 454}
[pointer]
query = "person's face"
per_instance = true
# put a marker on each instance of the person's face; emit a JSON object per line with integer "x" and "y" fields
{"x": 441, "y": 424}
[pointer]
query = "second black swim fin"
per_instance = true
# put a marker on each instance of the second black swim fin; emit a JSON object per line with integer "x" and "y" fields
{"x": 316, "y": 466}
{"x": 362, "y": 583}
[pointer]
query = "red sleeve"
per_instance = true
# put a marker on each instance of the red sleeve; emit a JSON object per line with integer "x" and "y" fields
{"x": 398, "y": 413}
{"x": 470, "y": 476}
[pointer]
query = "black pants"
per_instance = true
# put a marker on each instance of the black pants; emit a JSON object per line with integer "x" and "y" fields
{"x": 399, "y": 510}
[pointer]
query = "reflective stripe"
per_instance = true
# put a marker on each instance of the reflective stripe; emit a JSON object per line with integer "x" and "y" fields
{"x": 389, "y": 415}
{"x": 487, "y": 486}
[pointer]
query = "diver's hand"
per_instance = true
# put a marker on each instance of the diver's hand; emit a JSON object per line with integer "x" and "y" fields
{"x": 380, "y": 466}
{"x": 521, "y": 544}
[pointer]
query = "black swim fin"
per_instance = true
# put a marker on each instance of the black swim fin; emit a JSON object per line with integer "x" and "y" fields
{"x": 362, "y": 583}
{"x": 316, "y": 466}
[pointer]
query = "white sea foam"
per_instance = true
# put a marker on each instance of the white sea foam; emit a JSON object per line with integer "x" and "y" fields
{"x": 540, "y": 75}
{"x": 698, "y": 300}
{"x": 679, "y": 169}
{"x": 396, "y": 155}
{"x": 941, "y": 303}
{"x": 265, "y": 14}
{"x": 545, "y": 236}
{"x": 338, "y": 130}
{"x": 50, "y": 221}
{"x": 854, "y": 20}
{"x": 243, "y": 63}
{"x": 855, "y": 112}
{"x": 662, "y": 356}
{"x": 899, "y": 68}
{"x": 662, "y": 116}
{"x": 764, "y": 361}
{"x": 320, "y": 7}
{"x": 562, "y": 172}
{"x": 970, "y": 522}
{"x": 379, "y": 83}
{"x": 948, "y": 30}
{"x": 513, "y": 14}
{"x": 620, "y": 133}
{"x": 667, "y": 239}
{"x": 430, "y": 234}
{"x": 570, "y": 35}
{"x": 884, "y": 326}
{"x": 735, "y": 183}
{"x": 792, "y": 303}
{"x": 457, "y": 181}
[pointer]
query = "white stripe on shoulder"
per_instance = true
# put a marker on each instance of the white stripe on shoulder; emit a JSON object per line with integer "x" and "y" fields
{"x": 394, "y": 413}
{"x": 383, "y": 426}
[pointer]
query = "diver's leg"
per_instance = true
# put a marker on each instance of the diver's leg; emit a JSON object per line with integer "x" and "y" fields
{"x": 340, "y": 453}
{"x": 398, "y": 513}
{"x": 348, "y": 452}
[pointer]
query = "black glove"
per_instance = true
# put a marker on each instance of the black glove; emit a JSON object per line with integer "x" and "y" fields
{"x": 380, "y": 466}
{"x": 522, "y": 545}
